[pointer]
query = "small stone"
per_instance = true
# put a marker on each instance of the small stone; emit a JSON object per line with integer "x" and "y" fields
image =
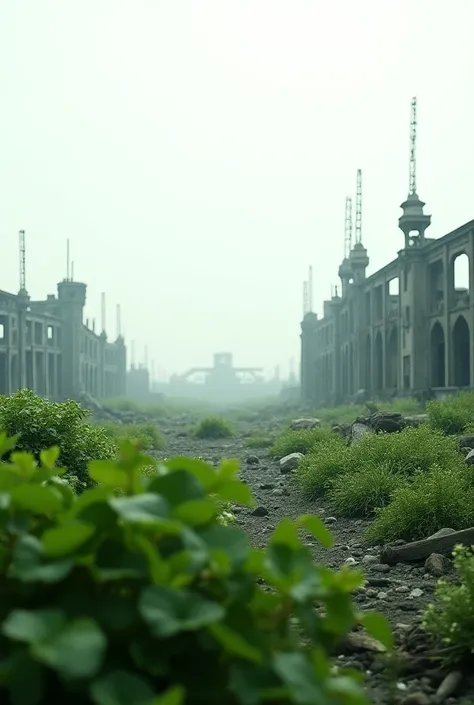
{"x": 370, "y": 559}
{"x": 266, "y": 486}
{"x": 382, "y": 595}
{"x": 416, "y": 592}
{"x": 402, "y": 589}
{"x": 290, "y": 462}
{"x": 260, "y": 512}
{"x": 253, "y": 460}
{"x": 381, "y": 568}
{"x": 416, "y": 698}
{"x": 330, "y": 520}
{"x": 370, "y": 592}
{"x": 442, "y": 532}
{"x": 298, "y": 424}
{"x": 350, "y": 561}
{"x": 437, "y": 565}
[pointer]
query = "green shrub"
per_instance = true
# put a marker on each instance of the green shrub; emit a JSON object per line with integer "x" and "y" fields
{"x": 452, "y": 415}
{"x": 451, "y": 618}
{"x": 258, "y": 442}
{"x": 143, "y": 598}
{"x": 39, "y": 424}
{"x": 399, "y": 453}
{"x": 359, "y": 494}
{"x": 302, "y": 441}
{"x": 146, "y": 434}
{"x": 213, "y": 427}
{"x": 433, "y": 500}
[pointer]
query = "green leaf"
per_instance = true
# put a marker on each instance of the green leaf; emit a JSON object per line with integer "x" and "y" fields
{"x": 378, "y": 626}
{"x": 202, "y": 471}
{"x": 107, "y": 472}
{"x": 37, "y": 498}
{"x": 229, "y": 539}
{"x": 29, "y": 564}
{"x": 33, "y": 626}
{"x": 316, "y": 528}
{"x": 24, "y": 464}
{"x": 168, "y": 612}
{"x": 196, "y": 512}
{"x": 296, "y": 672}
{"x": 286, "y": 533}
{"x": 174, "y": 696}
{"x": 75, "y": 652}
{"x": 145, "y": 508}
{"x": 234, "y": 643}
{"x": 177, "y": 487}
{"x": 49, "y": 458}
{"x": 235, "y": 491}
{"x": 65, "y": 540}
{"x": 121, "y": 688}
{"x": 6, "y": 443}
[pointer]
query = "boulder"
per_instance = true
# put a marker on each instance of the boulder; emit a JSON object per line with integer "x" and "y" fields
{"x": 290, "y": 462}
{"x": 299, "y": 424}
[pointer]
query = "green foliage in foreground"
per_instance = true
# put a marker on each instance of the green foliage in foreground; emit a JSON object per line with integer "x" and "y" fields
{"x": 301, "y": 441}
{"x": 414, "y": 482}
{"x": 451, "y": 618}
{"x": 146, "y": 434}
{"x": 453, "y": 415}
{"x": 213, "y": 427}
{"x": 40, "y": 423}
{"x": 134, "y": 593}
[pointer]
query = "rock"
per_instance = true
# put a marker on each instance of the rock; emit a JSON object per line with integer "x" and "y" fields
{"x": 253, "y": 460}
{"x": 267, "y": 486}
{"x": 466, "y": 442}
{"x": 299, "y": 424}
{"x": 387, "y": 421}
{"x": 370, "y": 559}
{"x": 290, "y": 462}
{"x": 402, "y": 589}
{"x": 416, "y": 420}
{"x": 330, "y": 520}
{"x": 470, "y": 457}
{"x": 381, "y": 568}
{"x": 418, "y": 697}
{"x": 442, "y": 532}
{"x": 350, "y": 561}
{"x": 437, "y": 565}
{"x": 260, "y": 512}
{"x": 359, "y": 431}
{"x": 416, "y": 592}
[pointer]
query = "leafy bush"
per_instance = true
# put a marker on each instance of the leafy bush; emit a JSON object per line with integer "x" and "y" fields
{"x": 213, "y": 427}
{"x": 302, "y": 441}
{"x": 39, "y": 424}
{"x": 451, "y": 618}
{"x": 258, "y": 442}
{"x": 359, "y": 494}
{"x": 432, "y": 501}
{"x": 142, "y": 598}
{"x": 146, "y": 434}
{"x": 452, "y": 415}
{"x": 399, "y": 453}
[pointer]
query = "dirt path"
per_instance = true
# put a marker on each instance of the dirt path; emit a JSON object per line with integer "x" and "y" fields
{"x": 401, "y": 592}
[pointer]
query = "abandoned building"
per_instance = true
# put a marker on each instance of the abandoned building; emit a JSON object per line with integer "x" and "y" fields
{"x": 404, "y": 330}
{"x": 46, "y": 346}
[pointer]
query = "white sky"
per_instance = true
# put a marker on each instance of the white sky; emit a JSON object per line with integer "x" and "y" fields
{"x": 198, "y": 153}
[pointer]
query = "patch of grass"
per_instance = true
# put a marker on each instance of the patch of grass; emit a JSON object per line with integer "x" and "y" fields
{"x": 431, "y": 501}
{"x": 451, "y": 618}
{"x": 452, "y": 415}
{"x": 259, "y": 442}
{"x": 302, "y": 441}
{"x": 147, "y": 434}
{"x": 360, "y": 494}
{"x": 318, "y": 469}
{"x": 213, "y": 427}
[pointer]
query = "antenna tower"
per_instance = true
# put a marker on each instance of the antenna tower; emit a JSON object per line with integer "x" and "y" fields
{"x": 413, "y": 125}
{"x": 305, "y": 298}
{"x": 119, "y": 321}
{"x": 310, "y": 289}
{"x": 348, "y": 228}
{"x": 102, "y": 312}
{"x": 22, "y": 261}
{"x": 358, "y": 218}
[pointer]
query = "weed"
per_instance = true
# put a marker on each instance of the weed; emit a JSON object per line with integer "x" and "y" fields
{"x": 452, "y": 415}
{"x": 359, "y": 494}
{"x": 213, "y": 427}
{"x": 302, "y": 441}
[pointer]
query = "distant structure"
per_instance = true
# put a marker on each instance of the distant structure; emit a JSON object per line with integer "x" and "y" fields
{"x": 406, "y": 329}
{"x": 46, "y": 346}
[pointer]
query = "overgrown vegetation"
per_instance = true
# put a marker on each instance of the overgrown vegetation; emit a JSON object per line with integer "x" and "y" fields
{"x": 453, "y": 415}
{"x": 451, "y": 617}
{"x": 413, "y": 482}
{"x": 146, "y": 434}
{"x": 39, "y": 424}
{"x": 134, "y": 593}
{"x": 259, "y": 442}
{"x": 213, "y": 427}
{"x": 301, "y": 441}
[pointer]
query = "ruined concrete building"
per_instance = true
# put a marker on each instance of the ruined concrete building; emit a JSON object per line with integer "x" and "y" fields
{"x": 406, "y": 329}
{"x": 45, "y": 346}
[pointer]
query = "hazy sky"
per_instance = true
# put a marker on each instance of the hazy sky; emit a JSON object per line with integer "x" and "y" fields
{"x": 198, "y": 153}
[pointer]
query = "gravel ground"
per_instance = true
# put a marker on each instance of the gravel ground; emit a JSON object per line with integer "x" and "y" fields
{"x": 401, "y": 592}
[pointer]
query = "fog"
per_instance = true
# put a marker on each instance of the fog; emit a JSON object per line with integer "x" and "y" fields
{"x": 197, "y": 154}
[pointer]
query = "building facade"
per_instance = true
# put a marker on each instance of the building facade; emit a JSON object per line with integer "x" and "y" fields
{"x": 46, "y": 346}
{"x": 404, "y": 330}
